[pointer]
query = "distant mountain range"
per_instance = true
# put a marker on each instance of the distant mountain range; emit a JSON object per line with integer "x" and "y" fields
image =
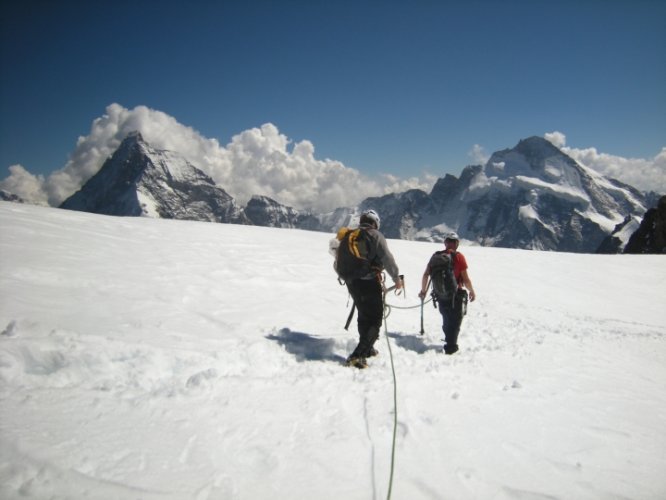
{"x": 532, "y": 196}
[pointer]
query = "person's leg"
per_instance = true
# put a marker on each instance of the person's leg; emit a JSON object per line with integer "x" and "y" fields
{"x": 357, "y": 297}
{"x": 451, "y": 319}
{"x": 370, "y": 308}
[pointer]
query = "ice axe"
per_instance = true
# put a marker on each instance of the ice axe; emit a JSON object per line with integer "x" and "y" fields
{"x": 351, "y": 315}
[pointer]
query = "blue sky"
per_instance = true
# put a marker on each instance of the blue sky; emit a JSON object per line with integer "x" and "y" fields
{"x": 383, "y": 87}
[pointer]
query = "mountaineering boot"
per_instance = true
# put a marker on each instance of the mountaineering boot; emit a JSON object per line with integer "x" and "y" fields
{"x": 450, "y": 350}
{"x": 367, "y": 340}
{"x": 356, "y": 362}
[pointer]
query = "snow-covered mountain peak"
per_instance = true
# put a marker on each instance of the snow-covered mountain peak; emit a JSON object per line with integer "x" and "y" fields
{"x": 534, "y": 157}
{"x": 166, "y": 163}
{"x": 134, "y": 137}
{"x": 140, "y": 180}
{"x": 530, "y": 196}
{"x": 536, "y": 148}
{"x": 132, "y": 144}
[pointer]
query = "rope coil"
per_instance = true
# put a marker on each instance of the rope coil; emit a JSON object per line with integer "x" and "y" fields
{"x": 386, "y": 312}
{"x": 395, "y": 397}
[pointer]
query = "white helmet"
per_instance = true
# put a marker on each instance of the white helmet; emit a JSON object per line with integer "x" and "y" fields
{"x": 452, "y": 236}
{"x": 372, "y": 215}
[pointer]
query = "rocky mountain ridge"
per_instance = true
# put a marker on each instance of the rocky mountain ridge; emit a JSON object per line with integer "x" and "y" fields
{"x": 650, "y": 237}
{"x": 532, "y": 196}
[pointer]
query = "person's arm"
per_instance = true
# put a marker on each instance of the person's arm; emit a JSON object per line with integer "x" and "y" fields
{"x": 468, "y": 284}
{"x": 386, "y": 258}
{"x": 425, "y": 283}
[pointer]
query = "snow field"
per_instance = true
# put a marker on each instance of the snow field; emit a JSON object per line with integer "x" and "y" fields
{"x": 146, "y": 358}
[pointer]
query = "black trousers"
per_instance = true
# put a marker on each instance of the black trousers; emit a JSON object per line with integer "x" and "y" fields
{"x": 452, "y": 315}
{"x": 369, "y": 300}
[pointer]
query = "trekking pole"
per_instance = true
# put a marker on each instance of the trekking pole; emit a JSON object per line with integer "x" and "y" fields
{"x": 422, "y": 303}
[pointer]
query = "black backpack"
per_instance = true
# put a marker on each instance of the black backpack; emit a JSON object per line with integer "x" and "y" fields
{"x": 442, "y": 277}
{"x": 351, "y": 261}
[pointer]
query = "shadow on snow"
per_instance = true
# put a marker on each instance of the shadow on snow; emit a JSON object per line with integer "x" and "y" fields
{"x": 306, "y": 347}
{"x": 415, "y": 343}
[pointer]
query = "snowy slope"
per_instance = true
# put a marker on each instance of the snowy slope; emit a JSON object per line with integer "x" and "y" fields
{"x": 161, "y": 359}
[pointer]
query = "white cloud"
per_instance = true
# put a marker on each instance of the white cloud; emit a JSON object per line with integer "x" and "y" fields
{"x": 646, "y": 174}
{"x": 478, "y": 155}
{"x": 22, "y": 183}
{"x": 558, "y": 139}
{"x": 256, "y": 161}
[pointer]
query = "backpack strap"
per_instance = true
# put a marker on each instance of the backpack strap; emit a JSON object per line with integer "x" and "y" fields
{"x": 454, "y": 259}
{"x": 351, "y": 241}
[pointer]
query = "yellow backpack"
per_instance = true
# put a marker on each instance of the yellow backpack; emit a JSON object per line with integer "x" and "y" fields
{"x": 351, "y": 259}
